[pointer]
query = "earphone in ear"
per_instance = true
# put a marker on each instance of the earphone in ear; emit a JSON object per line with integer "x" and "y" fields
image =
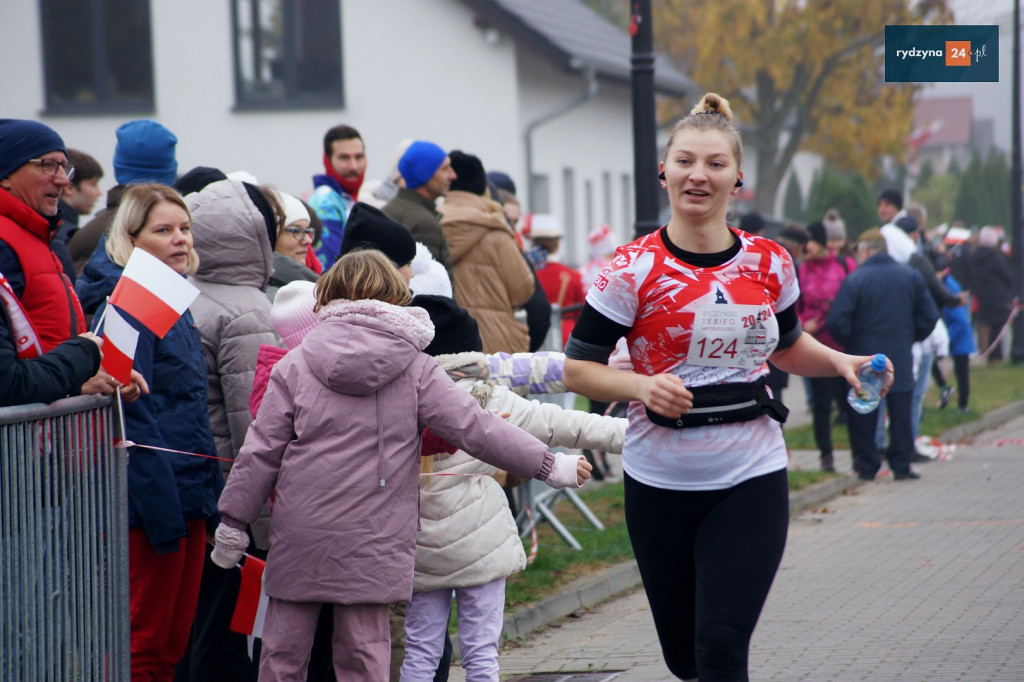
{"x": 661, "y": 175}
{"x": 739, "y": 182}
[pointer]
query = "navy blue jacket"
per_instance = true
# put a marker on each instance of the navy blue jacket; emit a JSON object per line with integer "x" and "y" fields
{"x": 165, "y": 490}
{"x": 883, "y": 307}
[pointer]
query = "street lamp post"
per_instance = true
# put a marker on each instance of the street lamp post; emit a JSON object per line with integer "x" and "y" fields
{"x": 645, "y": 153}
{"x": 1017, "y": 239}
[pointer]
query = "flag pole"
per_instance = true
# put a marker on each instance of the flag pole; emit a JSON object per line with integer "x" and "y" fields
{"x": 97, "y": 323}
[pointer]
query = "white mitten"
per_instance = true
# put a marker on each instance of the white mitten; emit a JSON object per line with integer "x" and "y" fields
{"x": 563, "y": 473}
{"x": 231, "y": 544}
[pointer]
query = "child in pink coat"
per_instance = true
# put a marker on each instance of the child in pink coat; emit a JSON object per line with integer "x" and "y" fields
{"x": 338, "y": 438}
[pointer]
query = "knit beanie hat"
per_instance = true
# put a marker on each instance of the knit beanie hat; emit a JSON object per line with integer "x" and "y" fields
{"x": 21, "y": 140}
{"x": 419, "y": 163}
{"x": 502, "y": 181}
{"x": 265, "y": 209}
{"x": 144, "y": 153}
{"x": 907, "y": 224}
{"x": 469, "y": 172}
{"x": 197, "y": 179}
{"x": 835, "y": 228}
{"x": 455, "y": 331}
{"x": 816, "y": 231}
{"x": 292, "y": 311}
{"x": 428, "y": 276}
{"x": 368, "y": 228}
{"x": 294, "y": 210}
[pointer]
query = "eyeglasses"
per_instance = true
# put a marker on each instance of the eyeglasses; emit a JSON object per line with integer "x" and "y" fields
{"x": 299, "y": 232}
{"x": 49, "y": 167}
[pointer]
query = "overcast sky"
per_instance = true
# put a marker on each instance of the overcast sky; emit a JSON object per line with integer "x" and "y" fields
{"x": 991, "y": 100}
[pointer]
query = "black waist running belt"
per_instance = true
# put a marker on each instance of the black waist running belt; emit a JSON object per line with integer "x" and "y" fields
{"x": 724, "y": 404}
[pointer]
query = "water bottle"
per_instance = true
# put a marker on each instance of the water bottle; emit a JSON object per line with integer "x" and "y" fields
{"x": 872, "y": 379}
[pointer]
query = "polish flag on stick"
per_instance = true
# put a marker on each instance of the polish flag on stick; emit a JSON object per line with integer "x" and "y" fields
{"x": 152, "y": 292}
{"x": 119, "y": 341}
{"x": 245, "y": 619}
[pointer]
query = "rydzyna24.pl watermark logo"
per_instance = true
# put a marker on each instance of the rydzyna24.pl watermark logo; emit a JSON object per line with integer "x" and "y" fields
{"x": 926, "y": 54}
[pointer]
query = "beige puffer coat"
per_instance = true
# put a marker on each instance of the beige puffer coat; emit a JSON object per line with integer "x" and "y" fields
{"x": 489, "y": 275}
{"x": 467, "y": 534}
{"x": 233, "y": 311}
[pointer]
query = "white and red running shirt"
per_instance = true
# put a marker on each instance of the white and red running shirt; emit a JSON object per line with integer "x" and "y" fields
{"x": 707, "y": 325}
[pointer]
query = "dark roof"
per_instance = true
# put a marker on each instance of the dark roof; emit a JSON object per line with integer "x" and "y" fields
{"x": 572, "y": 35}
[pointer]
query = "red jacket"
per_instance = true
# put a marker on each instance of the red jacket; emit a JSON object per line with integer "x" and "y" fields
{"x": 49, "y": 298}
{"x": 563, "y": 286}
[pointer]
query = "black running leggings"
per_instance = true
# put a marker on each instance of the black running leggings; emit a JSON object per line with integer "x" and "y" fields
{"x": 707, "y": 560}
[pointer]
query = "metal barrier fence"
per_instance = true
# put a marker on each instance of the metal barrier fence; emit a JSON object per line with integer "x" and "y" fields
{"x": 63, "y": 543}
{"x": 535, "y": 495}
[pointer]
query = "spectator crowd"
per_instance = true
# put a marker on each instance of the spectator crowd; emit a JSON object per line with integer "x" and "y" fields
{"x": 351, "y": 346}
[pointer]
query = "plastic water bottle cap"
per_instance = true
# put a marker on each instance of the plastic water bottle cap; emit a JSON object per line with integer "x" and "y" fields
{"x": 878, "y": 362}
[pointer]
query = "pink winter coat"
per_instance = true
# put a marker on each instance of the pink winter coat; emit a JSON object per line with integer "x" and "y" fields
{"x": 819, "y": 281}
{"x": 338, "y": 436}
{"x": 267, "y": 357}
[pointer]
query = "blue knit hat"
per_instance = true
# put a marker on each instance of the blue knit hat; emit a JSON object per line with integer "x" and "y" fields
{"x": 419, "y": 163}
{"x": 501, "y": 181}
{"x": 145, "y": 153}
{"x": 21, "y": 140}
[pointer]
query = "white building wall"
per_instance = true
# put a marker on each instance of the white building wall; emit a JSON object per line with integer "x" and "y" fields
{"x": 592, "y": 140}
{"x": 411, "y": 69}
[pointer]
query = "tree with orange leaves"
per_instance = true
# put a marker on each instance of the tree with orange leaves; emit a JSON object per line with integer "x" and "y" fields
{"x": 800, "y": 75}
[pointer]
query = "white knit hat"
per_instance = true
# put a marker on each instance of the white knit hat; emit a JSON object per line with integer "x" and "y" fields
{"x": 294, "y": 211}
{"x": 835, "y": 228}
{"x": 429, "y": 277}
{"x": 292, "y": 312}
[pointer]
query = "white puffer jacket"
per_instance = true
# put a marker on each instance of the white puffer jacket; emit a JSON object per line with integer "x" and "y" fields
{"x": 467, "y": 534}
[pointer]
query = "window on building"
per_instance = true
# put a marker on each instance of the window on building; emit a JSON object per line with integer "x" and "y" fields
{"x": 606, "y": 190}
{"x": 97, "y": 56}
{"x": 588, "y": 205}
{"x": 569, "y": 211}
{"x": 540, "y": 197}
{"x": 627, "y": 201}
{"x": 287, "y": 53}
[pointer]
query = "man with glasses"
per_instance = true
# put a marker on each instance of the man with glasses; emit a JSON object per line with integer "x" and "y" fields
{"x": 34, "y": 171}
{"x": 42, "y": 309}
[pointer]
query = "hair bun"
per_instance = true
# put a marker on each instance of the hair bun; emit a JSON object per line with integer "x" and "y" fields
{"x": 712, "y": 103}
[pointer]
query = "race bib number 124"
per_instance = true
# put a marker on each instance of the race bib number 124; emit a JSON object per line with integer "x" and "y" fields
{"x": 732, "y": 335}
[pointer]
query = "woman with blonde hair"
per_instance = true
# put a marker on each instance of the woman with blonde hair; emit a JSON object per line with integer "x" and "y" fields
{"x": 338, "y": 438}
{"x": 172, "y": 496}
{"x": 703, "y": 306}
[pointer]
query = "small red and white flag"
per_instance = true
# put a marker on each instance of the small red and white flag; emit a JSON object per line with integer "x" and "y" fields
{"x": 152, "y": 292}
{"x": 251, "y": 606}
{"x": 119, "y": 341}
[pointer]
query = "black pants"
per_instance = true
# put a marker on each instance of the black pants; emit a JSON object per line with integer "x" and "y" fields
{"x": 962, "y": 370}
{"x": 707, "y": 560}
{"x": 825, "y": 391}
{"x": 866, "y": 458}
